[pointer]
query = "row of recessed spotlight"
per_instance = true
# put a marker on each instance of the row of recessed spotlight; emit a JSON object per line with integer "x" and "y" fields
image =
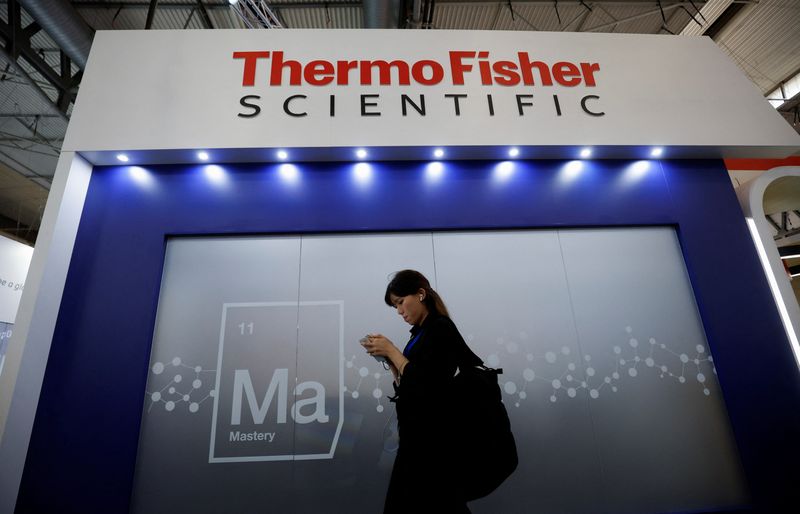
{"x": 438, "y": 153}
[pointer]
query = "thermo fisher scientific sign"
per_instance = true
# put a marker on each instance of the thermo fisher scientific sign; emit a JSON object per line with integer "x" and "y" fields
{"x": 233, "y": 89}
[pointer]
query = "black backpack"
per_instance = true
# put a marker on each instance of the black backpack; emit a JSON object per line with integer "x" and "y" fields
{"x": 487, "y": 452}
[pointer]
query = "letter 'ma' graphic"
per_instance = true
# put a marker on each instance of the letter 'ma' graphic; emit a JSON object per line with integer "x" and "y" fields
{"x": 243, "y": 386}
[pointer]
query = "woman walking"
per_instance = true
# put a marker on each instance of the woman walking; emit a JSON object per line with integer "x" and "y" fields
{"x": 425, "y": 477}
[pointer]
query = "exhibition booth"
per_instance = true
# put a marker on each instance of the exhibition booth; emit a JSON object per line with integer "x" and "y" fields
{"x": 228, "y": 209}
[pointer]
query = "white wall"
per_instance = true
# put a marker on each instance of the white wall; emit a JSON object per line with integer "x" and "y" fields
{"x": 28, "y": 350}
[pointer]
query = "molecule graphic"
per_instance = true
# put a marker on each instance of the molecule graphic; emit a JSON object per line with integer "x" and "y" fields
{"x": 630, "y": 359}
{"x": 180, "y": 379}
{"x": 362, "y": 373}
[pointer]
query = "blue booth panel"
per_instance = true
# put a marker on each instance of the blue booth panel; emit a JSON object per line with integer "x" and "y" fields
{"x": 83, "y": 450}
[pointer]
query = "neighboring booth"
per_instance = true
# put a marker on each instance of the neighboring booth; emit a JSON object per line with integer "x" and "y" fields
{"x": 228, "y": 206}
{"x": 771, "y": 187}
{"x": 15, "y": 258}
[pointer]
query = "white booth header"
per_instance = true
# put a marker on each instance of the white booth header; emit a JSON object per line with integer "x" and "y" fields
{"x": 401, "y": 91}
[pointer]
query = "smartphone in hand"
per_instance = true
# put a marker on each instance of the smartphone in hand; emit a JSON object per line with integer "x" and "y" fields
{"x": 364, "y": 340}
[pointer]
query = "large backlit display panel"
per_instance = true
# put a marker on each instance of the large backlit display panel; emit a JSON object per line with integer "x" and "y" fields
{"x": 606, "y": 392}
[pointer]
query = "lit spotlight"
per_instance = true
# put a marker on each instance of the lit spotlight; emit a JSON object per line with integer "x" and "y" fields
{"x": 233, "y": 2}
{"x": 503, "y": 171}
{"x": 122, "y": 157}
{"x": 361, "y": 153}
{"x": 657, "y": 152}
{"x": 570, "y": 172}
{"x": 203, "y": 156}
{"x": 363, "y": 173}
{"x": 438, "y": 153}
{"x": 635, "y": 172}
{"x": 434, "y": 171}
{"x": 141, "y": 176}
{"x": 215, "y": 174}
{"x": 282, "y": 155}
{"x": 586, "y": 153}
{"x": 289, "y": 173}
{"x": 513, "y": 152}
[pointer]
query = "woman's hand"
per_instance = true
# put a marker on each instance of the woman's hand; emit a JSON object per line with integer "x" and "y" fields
{"x": 379, "y": 345}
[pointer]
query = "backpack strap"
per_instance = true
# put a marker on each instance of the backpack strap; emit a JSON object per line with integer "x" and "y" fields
{"x": 465, "y": 356}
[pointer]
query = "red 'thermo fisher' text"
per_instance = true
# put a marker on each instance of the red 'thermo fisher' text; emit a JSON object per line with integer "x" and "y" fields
{"x": 521, "y": 71}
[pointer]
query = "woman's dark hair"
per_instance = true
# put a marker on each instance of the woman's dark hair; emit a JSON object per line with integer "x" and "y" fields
{"x": 408, "y": 282}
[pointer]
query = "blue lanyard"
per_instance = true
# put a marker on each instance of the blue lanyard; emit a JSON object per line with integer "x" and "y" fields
{"x": 411, "y": 344}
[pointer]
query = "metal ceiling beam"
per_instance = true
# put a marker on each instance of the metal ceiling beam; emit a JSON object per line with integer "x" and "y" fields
{"x": 17, "y": 45}
{"x": 14, "y": 228}
{"x": 145, "y": 4}
{"x": 27, "y": 115}
{"x": 647, "y": 14}
{"x": 151, "y": 13}
{"x": 575, "y": 3}
{"x": 380, "y": 14}
{"x": 11, "y": 145}
{"x": 34, "y": 138}
{"x": 204, "y": 14}
{"x": 30, "y": 82}
{"x": 64, "y": 25}
{"x": 94, "y": 4}
{"x": 22, "y": 169}
{"x": 16, "y": 39}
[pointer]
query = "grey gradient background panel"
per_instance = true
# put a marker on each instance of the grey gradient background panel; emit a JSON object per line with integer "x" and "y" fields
{"x": 608, "y": 379}
{"x": 257, "y": 360}
{"x": 200, "y": 275}
{"x": 507, "y": 293}
{"x": 355, "y": 270}
{"x": 660, "y": 425}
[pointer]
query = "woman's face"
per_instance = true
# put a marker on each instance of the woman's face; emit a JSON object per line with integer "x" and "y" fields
{"x": 410, "y": 307}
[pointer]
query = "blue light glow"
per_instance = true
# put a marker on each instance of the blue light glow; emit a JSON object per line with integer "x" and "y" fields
{"x": 513, "y": 152}
{"x": 289, "y": 173}
{"x": 122, "y": 157}
{"x": 141, "y": 176}
{"x": 503, "y": 171}
{"x": 215, "y": 174}
{"x": 657, "y": 151}
{"x": 434, "y": 172}
{"x": 570, "y": 172}
{"x": 586, "y": 153}
{"x": 438, "y": 153}
{"x": 362, "y": 172}
{"x": 361, "y": 153}
{"x": 282, "y": 155}
{"x": 635, "y": 172}
{"x": 203, "y": 156}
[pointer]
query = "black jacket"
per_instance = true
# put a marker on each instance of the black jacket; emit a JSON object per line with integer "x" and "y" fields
{"x": 425, "y": 385}
{"x": 424, "y": 465}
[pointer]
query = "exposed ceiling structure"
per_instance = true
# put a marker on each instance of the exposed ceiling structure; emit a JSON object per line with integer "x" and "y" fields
{"x": 44, "y": 44}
